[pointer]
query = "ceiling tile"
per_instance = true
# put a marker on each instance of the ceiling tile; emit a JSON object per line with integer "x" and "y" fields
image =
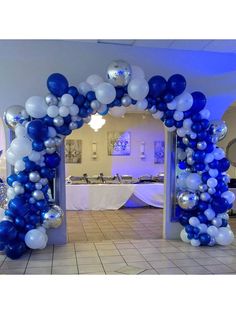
{"x": 155, "y": 43}
{"x": 189, "y": 44}
{"x": 221, "y": 46}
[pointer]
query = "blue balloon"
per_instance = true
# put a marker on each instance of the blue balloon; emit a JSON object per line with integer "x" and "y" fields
{"x": 83, "y": 112}
{"x": 15, "y": 250}
{"x": 33, "y": 219}
{"x": 48, "y": 121}
{"x": 116, "y": 102}
{"x": 199, "y": 102}
{"x": 214, "y": 164}
{"x": 12, "y": 178}
{"x": 209, "y": 148}
{"x": 224, "y": 165}
{"x": 202, "y": 218}
{"x": 73, "y": 91}
{"x": 29, "y": 186}
{"x": 169, "y": 123}
{"x": 48, "y": 173}
{"x": 57, "y": 84}
{"x": 162, "y": 106}
{"x": 196, "y": 117}
{"x": 90, "y": 96}
{"x": 202, "y": 135}
{"x": 204, "y": 239}
{"x": 22, "y": 177}
{"x": 219, "y": 204}
{"x": 80, "y": 123}
{"x": 224, "y": 223}
{"x": 119, "y": 92}
{"x": 179, "y": 124}
{"x": 202, "y": 206}
{"x": 167, "y": 97}
{"x": 157, "y": 86}
{"x": 20, "y": 222}
{"x": 200, "y": 166}
{"x": 184, "y": 218}
{"x": 199, "y": 155}
{"x": 38, "y": 146}
{"x": 205, "y": 124}
{"x": 196, "y": 127}
{"x": 67, "y": 119}
{"x": 80, "y": 100}
{"x": 63, "y": 130}
{"x": 189, "y": 229}
{"x": 192, "y": 143}
{"x": 8, "y": 231}
{"x": 37, "y": 130}
{"x": 176, "y": 84}
{"x": 169, "y": 114}
{"x": 29, "y": 227}
{"x": 52, "y": 160}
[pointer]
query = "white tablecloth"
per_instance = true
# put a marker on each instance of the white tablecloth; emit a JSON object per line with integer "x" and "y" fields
{"x": 113, "y": 196}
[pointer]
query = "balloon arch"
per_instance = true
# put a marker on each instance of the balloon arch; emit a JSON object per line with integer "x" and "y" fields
{"x": 203, "y": 198}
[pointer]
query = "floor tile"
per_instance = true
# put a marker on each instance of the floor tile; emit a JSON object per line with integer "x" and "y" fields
{"x": 176, "y": 255}
{"x": 170, "y": 271}
{"x": 197, "y": 254}
{"x": 64, "y": 270}
{"x": 217, "y": 253}
{"x": 38, "y": 271}
{"x": 63, "y": 255}
{"x": 84, "y": 246}
{"x": 86, "y": 254}
{"x": 113, "y": 267}
{"x": 219, "y": 269}
{"x": 91, "y": 269}
{"x": 149, "y": 250}
{"x": 111, "y": 259}
{"x": 195, "y": 270}
{"x": 124, "y": 246}
{"x": 142, "y": 264}
{"x": 169, "y": 250}
{"x": 65, "y": 262}
{"x": 108, "y": 252}
{"x": 149, "y": 272}
{"x": 155, "y": 257}
{"x": 207, "y": 261}
{"x": 12, "y": 271}
{"x": 130, "y": 270}
{"x": 37, "y": 257}
{"x": 16, "y": 264}
{"x": 132, "y": 251}
{"x": 133, "y": 258}
{"x": 88, "y": 260}
{"x": 162, "y": 264}
{"x": 227, "y": 259}
{"x": 185, "y": 262}
{"x": 42, "y": 263}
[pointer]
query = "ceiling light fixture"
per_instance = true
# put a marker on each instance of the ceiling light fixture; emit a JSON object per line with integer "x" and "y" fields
{"x": 97, "y": 122}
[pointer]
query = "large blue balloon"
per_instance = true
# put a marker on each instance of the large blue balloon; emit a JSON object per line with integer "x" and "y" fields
{"x": 219, "y": 204}
{"x": 204, "y": 238}
{"x": 224, "y": 164}
{"x": 199, "y": 102}
{"x": 48, "y": 173}
{"x": 157, "y": 86}
{"x": 22, "y": 177}
{"x": 37, "y": 130}
{"x": 12, "y": 178}
{"x": 52, "y": 160}
{"x": 8, "y": 231}
{"x": 57, "y": 84}
{"x": 73, "y": 91}
{"x": 176, "y": 84}
{"x": 15, "y": 250}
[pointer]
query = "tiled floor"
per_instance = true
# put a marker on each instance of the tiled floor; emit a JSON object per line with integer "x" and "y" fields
{"x": 143, "y": 257}
{"x": 137, "y": 223}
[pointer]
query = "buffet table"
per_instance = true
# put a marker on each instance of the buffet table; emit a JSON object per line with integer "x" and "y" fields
{"x": 113, "y": 196}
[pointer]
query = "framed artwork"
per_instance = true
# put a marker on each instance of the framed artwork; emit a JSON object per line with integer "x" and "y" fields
{"x": 159, "y": 152}
{"x": 118, "y": 143}
{"x": 73, "y": 151}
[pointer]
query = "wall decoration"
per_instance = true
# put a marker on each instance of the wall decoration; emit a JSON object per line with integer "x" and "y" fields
{"x": 159, "y": 152}
{"x": 73, "y": 151}
{"x": 43, "y": 123}
{"x": 118, "y": 143}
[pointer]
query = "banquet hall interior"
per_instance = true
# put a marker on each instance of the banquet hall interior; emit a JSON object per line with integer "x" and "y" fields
{"x": 115, "y": 184}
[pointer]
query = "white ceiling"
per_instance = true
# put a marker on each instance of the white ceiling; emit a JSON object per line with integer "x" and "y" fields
{"x": 226, "y": 46}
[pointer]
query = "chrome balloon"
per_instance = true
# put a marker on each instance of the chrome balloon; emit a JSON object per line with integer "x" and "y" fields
{"x": 152, "y": 110}
{"x": 38, "y": 195}
{"x": 50, "y": 142}
{"x": 58, "y": 140}
{"x": 185, "y": 140}
{"x": 53, "y": 217}
{"x": 126, "y": 101}
{"x": 58, "y": 121}
{"x": 219, "y": 128}
{"x": 201, "y": 145}
{"x": 51, "y": 100}
{"x": 202, "y": 187}
{"x": 73, "y": 125}
{"x": 119, "y": 73}
{"x": 187, "y": 200}
{"x": 14, "y": 115}
{"x": 34, "y": 176}
{"x": 50, "y": 150}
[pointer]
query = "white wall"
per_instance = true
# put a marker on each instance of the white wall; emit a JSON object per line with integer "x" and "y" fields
{"x": 142, "y": 130}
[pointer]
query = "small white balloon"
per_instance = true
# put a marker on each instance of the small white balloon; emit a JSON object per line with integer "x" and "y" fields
{"x": 213, "y": 173}
{"x": 212, "y": 182}
{"x": 225, "y": 236}
{"x": 64, "y": 111}
{"x": 194, "y": 221}
{"x": 205, "y": 113}
{"x": 52, "y": 111}
{"x": 184, "y": 101}
{"x": 84, "y": 88}
{"x": 181, "y": 132}
{"x": 219, "y": 153}
{"x": 210, "y": 214}
{"x": 202, "y": 228}
{"x": 66, "y": 100}
{"x": 35, "y": 239}
{"x": 142, "y": 105}
{"x": 193, "y": 181}
{"x": 20, "y": 131}
{"x": 52, "y": 132}
{"x": 187, "y": 123}
{"x": 94, "y": 80}
{"x": 138, "y": 88}
{"x": 19, "y": 165}
{"x": 74, "y": 110}
{"x": 178, "y": 115}
{"x": 212, "y": 231}
{"x": 184, "y": 236}
{"x": 172, "y": 105}
{"x": 158, "y": 115}
{"x": 209, "y": 158}
{"x": 195, "y": 242}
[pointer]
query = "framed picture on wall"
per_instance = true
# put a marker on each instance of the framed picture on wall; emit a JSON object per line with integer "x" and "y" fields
{"x": 73, "y": 151}
{"x": 159, "y": 152}
{"x": 118, "y": 143}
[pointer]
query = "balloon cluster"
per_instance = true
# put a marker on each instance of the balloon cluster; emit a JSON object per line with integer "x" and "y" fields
{"x": 40, "y": 127}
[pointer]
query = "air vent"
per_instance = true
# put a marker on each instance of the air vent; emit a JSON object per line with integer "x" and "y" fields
{"x": 117, "y": 42}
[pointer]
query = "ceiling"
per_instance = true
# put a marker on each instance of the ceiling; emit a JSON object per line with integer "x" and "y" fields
{"x": 224, "y": 46}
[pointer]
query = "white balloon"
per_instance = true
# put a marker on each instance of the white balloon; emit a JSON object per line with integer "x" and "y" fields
{"x": 212, "y": 231}
{"x": 184, "y": 101}
{"x": 19, "y": 165}
{"x": 74, "y": 110}
{"x": 35, "y": 239}
{"x": 212, "y": 182}
{"x": 66, "y": 100}
{"x": 181, "y": 132}
{"x": 202, "y": 228}
{"x": 213, "y": 173}
{"x": 20, "y": 131}
{"x": 205, "y": 113}
{"x": 84, "y": 88}
{"x": 225, "y": 236}
{"x": 137, "y": 72}
{"x": 158, "y": 115}
{"x": 229, "y": 196}
{"x": 178, "y": 115}
{"x": 41, "y": 229}
{"x": 11, "y": 157}
{"x": 10, "y": 193}
{"x": 138, "y": 88}
{"x": 216, "y": 222}
{"x": 184, "y": 236}
{"x": 187, "y": 123}
{"x": 209, "y": 158}
{"x": 34, "y": 156}
{"x": 64, "y": 111}
{"x": 171, "y": 129}
{"x": 172, "y": 105}
{"x": 219, "y": 153}
{"x": 210, "y": 214}
{"x": 52, "y": 111}
{"x": 194, "y": 221}
{"x": 105, "y": 93}
{"x": 141, "y": 105}
{"x": 52, "y": 132}
{"x": 102, "y": 109}
{"x": 21, "y": 146}
{"x": 36, "y": 107}
{"x": 195, "y": 242}
{"x": 94, "y": 80}
{"x": 117, "y": 111}
{"x": 193, "y": 181}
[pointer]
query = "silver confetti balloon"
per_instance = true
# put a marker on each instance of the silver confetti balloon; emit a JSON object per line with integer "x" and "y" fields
{"x": 51, "y": 100}
{"x": 50, "y": 150}
{"x": 219, "y": 128}
{"x": 50, "y": 142}
{"x": 58, "y": 121}
{"x": 126, "y": 101}
{"x": 38, "y": 195}
{"x": 34, "y": 176}
{"x": 14, "y": 115}
{"x": 53, "y": 217}
{"x": 119, "y": 73}
{"x": 187, "y": 200}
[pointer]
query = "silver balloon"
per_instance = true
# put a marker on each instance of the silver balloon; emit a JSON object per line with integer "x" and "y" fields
{"x": 152, "y": 110}
{"x": 119, "y": 73}
{"x": 87, "y": 119}
{"x": 50, "y": 150}
{"x": 73, "y": 126}
{"x": 43, "y": 181}
{"x": 58, "y": 121}
{"x": 126, "y": 101}
{"x": 50, "y": 142}
{"x": 95, "y": 104}
{"x": 32, "y": 200}
{"x": 201, "y": 145}
{"x": 219, "y": 128}
{"x": 34, "y": 176}
{"x": 190, "y": 161}
{"x": 38, "y": 195}
{"x": 187, "y": 200}
{"x": 202, "y": 188}
{"x": 53, "y": 217}
{"x": 185, "y": 140}
{"x": 14, "y": 115}
{"x": 51, "y": 100}
{"x": 38, "y": 186}
{"x": 18, "y": 189}
{"x": 58, "y": 140}
{"x": 211, "y": 191}
{"x": 205, "y": 197}
{"x": 7, "y": 218}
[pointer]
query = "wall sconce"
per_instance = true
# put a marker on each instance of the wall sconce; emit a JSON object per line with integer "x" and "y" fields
{"x": 142, "y": 150}
{"x": 94, "y": 150}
